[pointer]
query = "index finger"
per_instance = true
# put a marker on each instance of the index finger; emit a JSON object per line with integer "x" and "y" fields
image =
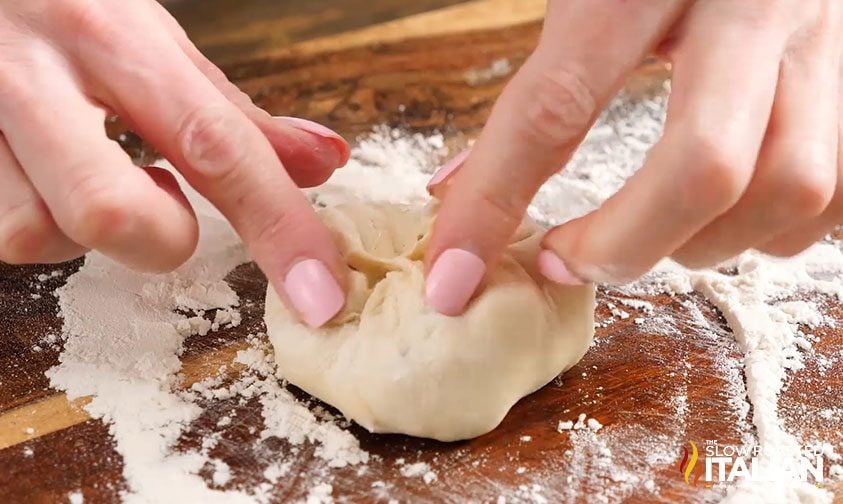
{"x": 225, "y": 157}
{"x": 585, "y": 52}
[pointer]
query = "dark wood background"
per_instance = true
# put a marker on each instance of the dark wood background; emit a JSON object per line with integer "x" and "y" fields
{"x": 232, "y": 31}
{"x": 350, "y": 65}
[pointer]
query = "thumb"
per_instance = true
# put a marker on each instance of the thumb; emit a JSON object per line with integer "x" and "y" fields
{"x": 585, "y": 52}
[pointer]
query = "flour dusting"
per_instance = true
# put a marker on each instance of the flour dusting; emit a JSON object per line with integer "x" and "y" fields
{"x": 124, "y": 334}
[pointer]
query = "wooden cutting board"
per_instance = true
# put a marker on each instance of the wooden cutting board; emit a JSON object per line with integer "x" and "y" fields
{"x": 417, "y": 72}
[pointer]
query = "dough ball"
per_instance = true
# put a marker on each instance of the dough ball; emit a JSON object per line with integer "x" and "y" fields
{"x": 392, "y": 364}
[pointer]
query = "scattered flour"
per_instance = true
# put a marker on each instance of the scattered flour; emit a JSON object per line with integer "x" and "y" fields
{"x": 414, "y": 470}
{"x": 582, "y": 422}
{"x": 531, "y": 493}
{"x": 765, "y": 327}
{"x": 123, "y": 336}
{"x": 388, "y": 166}
{"x": 321, "y": 494}
{"x": 76, "y": 497}
{"x": 222, "y": 473}
{"x": 497, "y": 69}
{"x": 275, "y": 471}
{"x": 124, "y": 332}
{"x": 565, "y": 425}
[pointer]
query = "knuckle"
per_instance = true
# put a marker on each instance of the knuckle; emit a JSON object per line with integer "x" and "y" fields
{"x": 279, "y": 225}
{"x": 718, "y": 174}
{"x": 212, "y": 142}
{"x": 560, "y": 107}
{"x": 505, "y": 210}
{"x": 762, "y": 16}
{"x": 86, "y": 19}
{"x": 24, "y": 232}
{"x": 101, "y": 211}
{"x": 809, "y": 186}
{"x": 17, "y": 93}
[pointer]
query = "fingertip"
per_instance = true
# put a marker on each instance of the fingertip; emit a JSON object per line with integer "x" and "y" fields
{"x": 572, "y": 256}
{"x": 313, "y": 291}
{"x": 552, "y": 267}
{"x": 326, "y": 138}
{"x": 446, "y": 170}
{"x": 453, "y": 280}
{"x": 309, "y": 152}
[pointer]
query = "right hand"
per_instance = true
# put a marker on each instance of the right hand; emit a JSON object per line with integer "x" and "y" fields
{"x": 65, "y": 188}
{"x": 749, "y": 157}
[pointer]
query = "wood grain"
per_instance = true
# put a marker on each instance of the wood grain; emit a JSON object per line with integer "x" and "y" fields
{"x": 48, "y": 415}
{"x": 420, "y": 74}
{"x": 227, "y": 32}
{"x": 476, "y": 15}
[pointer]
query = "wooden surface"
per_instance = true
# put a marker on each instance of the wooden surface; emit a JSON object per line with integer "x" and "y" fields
{"x": 229, "y": 31}
{"x": 350, "y": 83}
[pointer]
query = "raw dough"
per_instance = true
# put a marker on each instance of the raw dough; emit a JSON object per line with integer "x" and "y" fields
{"x": 392, "y": 364}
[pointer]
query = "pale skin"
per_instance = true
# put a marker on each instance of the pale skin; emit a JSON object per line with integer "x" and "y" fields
{"x": 749, "y": 157}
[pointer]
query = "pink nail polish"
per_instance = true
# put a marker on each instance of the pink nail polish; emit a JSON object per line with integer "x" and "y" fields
{"x": 555, "y": 270}
{"x": 453, "y": 279}
{"x": 448, "y": 168}
{"x": 310, "y": 127}
{"x": 314, "y": 292}
{"x": 319, "y": 130}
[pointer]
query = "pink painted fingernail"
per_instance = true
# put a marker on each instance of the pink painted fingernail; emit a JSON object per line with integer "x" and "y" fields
{"x": 555, "y": 270}
{"x": 453, "y": 279}
{"x": 319, "y": 130}
{"x": 314, "y": 292}
{"x": 448, "y": 168}
{"x": 311, "y": 127}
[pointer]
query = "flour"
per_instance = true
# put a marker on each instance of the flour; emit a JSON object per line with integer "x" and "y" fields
{"x": 531, "y": 493}
{"x": 222, "y": 473}
{"x": 388, "y": 166}
{"x": 767, "y": 332}
{"x": 582, "y": 422}
{"x": 479, "y": 76}
{"x": 124, "y": 333}
{"x": 320, "y": 494}
{"x": 123, "y": 336}
{"x": 766, "y": 327}
{"x": 418, "y": 469}
{"x": 275, "y": 471}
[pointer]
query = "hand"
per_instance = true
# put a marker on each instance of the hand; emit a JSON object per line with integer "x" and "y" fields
{"x": 749, "y": 157}
{"x": 65, "y": 188}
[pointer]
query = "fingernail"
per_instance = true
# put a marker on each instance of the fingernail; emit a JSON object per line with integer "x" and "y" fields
{"x": 554, "y": 269}
{"x": 448, "y": 168}
{"x": 314, "y": 292}
{"x": 319, "y": 130}
{"x": 453, "y": 279}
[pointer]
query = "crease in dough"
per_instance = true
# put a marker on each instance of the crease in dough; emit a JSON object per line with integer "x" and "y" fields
{"x": 392, "y": 364}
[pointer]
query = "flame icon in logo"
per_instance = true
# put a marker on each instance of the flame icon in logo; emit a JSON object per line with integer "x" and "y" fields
{"x": 689, "y": 462}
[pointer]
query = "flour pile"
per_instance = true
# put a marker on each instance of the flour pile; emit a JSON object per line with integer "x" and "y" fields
{"x": 124, "y": 333}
